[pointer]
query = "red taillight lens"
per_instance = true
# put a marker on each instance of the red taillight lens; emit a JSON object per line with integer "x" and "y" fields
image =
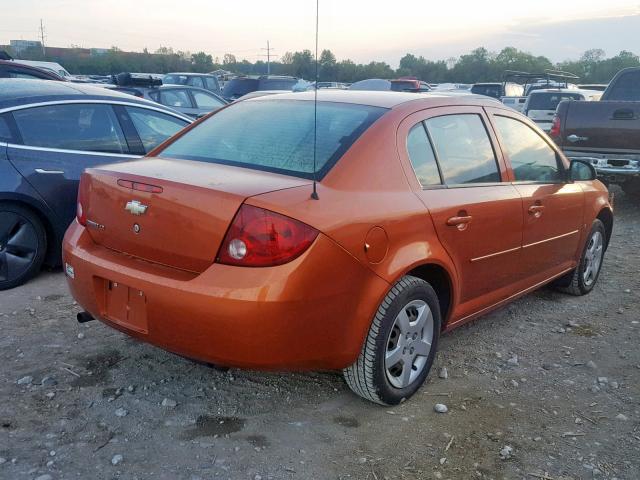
{"x": 555, "y": 128}
{"x": 81, "y": 210}
{"x": 261, "y": 238}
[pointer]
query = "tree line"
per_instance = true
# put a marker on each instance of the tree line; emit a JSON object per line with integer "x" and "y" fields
{"x": 480, "y": 65}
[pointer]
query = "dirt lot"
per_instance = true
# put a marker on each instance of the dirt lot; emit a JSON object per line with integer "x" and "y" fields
{"x": 553, "y": 377}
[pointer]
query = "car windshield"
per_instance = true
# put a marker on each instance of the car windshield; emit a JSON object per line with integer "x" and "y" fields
{"x": 494, "y": 91}
{"x": 276, "y": 136}
{"x": 549, "y": 101}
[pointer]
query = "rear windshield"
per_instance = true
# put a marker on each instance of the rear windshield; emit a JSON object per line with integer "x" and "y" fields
{"x": 549, "y": 101}
{"x": 494, "y": 91}
{"x": 240, "y": 87}
{"x": 276, "y": 136}
{"x": 175, "y": 79}
{"x": 626, "y": 87}
{"x": 277, "y": 84}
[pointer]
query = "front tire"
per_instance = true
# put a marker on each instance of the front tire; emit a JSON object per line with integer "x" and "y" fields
{"x": 584, "y": 277}
{"x": 23, "y": 244}
{"x": 401, "y": 344}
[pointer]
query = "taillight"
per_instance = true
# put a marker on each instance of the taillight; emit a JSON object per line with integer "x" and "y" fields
{"x": 555, "y": 127}
{"x": 261, "y": 238}
{"x": 81, "y": 209}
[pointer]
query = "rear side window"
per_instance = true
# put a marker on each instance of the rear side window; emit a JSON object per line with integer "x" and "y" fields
{"x": 532, "y": 159}
{"x": 212, "y": 83}
{"x": 276, "y": 135}
{"x": 626, "y": 87}
{"x": 175, "y": 79}
{"x": 85, "y": 127}
{"x": 154, "y": 127}
{"x": 196, "y": 82}
{"x": 422, "y": 158}
{"x": 277, "y": 84}
{"x": 463, "y": 149}
{"x": 494, "y": 91}
{"x": 175, "y": 98}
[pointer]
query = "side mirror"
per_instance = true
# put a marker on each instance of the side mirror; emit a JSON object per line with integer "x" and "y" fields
{"x": 581, "y": 170}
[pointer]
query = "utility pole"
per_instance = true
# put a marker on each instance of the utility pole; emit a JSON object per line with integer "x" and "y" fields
{"x": 268, "y": 55}
{"x": 42, "y": 38}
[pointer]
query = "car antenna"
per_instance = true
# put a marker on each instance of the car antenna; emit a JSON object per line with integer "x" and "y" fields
{"x": 314, "y": 194}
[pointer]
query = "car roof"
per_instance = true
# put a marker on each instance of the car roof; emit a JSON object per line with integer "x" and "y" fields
{"x": 384, "y": 99}
{"x": 19, "y": 91}
{"x": 23, "y": 66}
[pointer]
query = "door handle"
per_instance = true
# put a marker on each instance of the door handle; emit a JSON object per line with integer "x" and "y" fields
{"x": 624, "y": 114}
{"x": 49, "y": 172}
{"x": 575, "y": 138}
{"x": 459, "y": 221}
{"x": 536, "y": 210}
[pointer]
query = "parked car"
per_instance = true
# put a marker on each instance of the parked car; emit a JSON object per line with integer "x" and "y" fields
{"x": 53, "y": 67}
{"x": 498, "y": 89}
{"x": 517, "y": 103}
{"x": 191, "y": 101}
{"x": 372, "y": 85}
{"x": 420, "y": 213}
{"x": 541, "y": 105}
{"x": 333, "y": 85}
{"x": 605, "y": 133}
{"x": 240, "y": 86}
{"x": 49, "y": 133}
{"x": 199, "y": 80}
{"x": 12, "y": 69}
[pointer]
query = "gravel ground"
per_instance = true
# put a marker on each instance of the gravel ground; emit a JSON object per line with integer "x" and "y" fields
{"x": 546, "y": 388}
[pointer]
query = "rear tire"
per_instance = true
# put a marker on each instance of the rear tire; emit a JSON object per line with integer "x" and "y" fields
{"x": 23, "y": 245}
{"x": 584, "y": 277}
{"x": 401, "y": 344}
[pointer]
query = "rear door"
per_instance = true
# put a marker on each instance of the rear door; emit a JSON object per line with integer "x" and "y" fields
{"x": 58, "y": 141}
{"x": 476, "y": 211}
{"x": 552, "y": 208}
{"x": 206, "y": 102}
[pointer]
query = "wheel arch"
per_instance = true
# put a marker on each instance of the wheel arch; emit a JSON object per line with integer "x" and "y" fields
{"x": 606, "y": 217}
{"x": 442, "y": 281}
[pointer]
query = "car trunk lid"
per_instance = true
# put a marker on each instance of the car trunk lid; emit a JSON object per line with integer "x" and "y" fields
{"x": 171, "y": 212}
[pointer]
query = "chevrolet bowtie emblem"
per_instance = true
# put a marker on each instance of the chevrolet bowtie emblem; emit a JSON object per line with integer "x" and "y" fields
{"x": 135, "y": 207}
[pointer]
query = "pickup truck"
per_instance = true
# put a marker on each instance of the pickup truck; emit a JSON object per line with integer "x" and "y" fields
{"x": 606, "y": 132}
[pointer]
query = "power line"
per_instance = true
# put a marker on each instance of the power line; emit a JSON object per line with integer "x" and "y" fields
{"x": 268, "y": 55}
{"x": 42, "y": 37}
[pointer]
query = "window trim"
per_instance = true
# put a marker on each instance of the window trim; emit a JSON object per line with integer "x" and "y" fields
{"x": 564, "y": 170}
{"x": 491, "y": 143}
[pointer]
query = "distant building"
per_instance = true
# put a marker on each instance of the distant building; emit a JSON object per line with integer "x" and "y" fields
{"x": 21, "y": 45}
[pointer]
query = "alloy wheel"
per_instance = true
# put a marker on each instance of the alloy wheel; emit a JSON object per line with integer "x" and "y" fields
{"x": 18, "y": 245}
{"x": 409, "y": 344}
{"x": 593, "y": 258}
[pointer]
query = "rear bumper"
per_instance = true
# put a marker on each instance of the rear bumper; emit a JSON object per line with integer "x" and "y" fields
{"x": 312, "y": 313}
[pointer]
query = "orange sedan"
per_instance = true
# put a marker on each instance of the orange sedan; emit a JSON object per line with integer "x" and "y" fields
{"x": 430, "y": 210}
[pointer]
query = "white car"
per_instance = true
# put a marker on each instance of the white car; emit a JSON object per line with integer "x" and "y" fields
{"x": 541, "y": 104}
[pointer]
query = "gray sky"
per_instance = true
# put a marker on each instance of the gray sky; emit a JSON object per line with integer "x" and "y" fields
{"x": 362, "y": 30}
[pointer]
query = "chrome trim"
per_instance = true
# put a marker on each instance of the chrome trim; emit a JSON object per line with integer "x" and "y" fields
{"x": 62, "y": 150}
{"x": 49, "y": 172}
{"x": 550, "y": 239}
{"x": 108, "y": 102}
{"x": 491, "y": 255}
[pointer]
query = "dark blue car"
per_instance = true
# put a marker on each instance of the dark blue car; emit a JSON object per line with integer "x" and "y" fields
{"x": 49, "y": 133}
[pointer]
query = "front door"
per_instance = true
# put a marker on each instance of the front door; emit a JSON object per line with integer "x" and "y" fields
{"x": 475, "y": 210}
{"x": 552, "y": 207}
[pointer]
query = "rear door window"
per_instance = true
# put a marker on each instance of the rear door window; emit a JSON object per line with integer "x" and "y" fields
{"x": 532, "y": 159}
{"x": 196, "y": 82}
{"x": 463, "y": 149}
{"x": 211, "y": 83}
{"x": 175, "y": 98}
{"x": 154, "y": 127}
{"x": 205, "y": 101}
{"x": 85, "y": 127}
{"x": 422, "y": 158}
